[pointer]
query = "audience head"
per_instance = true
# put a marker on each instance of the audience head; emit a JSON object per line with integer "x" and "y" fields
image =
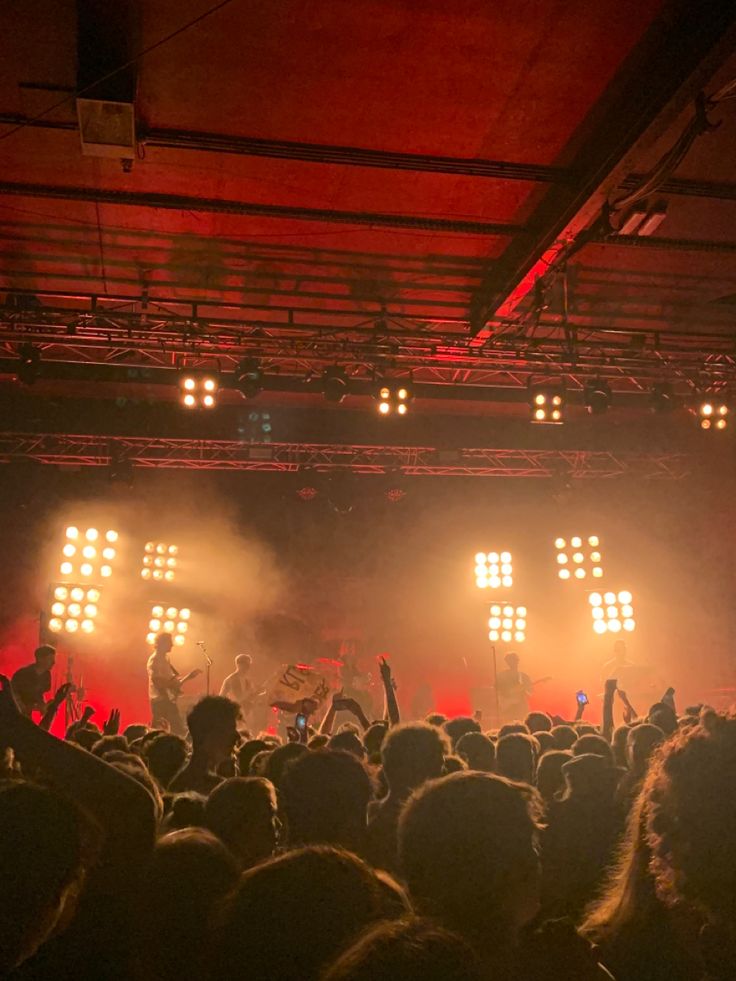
{"x": 453, "y": 764}
{"x": 411, "y": 754}
{"x": 436, "y": 719}
{"x": 325, "y": 796}
{"x": 515, "y": 757}
{"x": 538, "y": 722}
{"x": 509, "y": 728}
{"x": 586, "y": 729}
{"x": 45, "y": 845}
{"x": 550, "y": 778}
{"x": 249, "y": 749}
{"x": 135, "y": 731}
{"x": 189, "y": 873}
{"x": 259, "y": 762}
{"x": 326, "y": 897}
{"x": 468, "y": 850}
{"x": 279, "y": 759}
{"x": 455, "y": 728}
{"x": 664, "y": 716}
{"x": 591, "y": 778}
{"x": 85, "y": 736}
{"x": 593, "y": 744}
{"x": 641, "y": 742}
{"x": 185, "y": 810}
{"x": 410, "y": 949}
{"x": 108, "y": 743}
{"x": 545, "y": 742}
{"x": 373, "y": 738}
{"x": 318, "y": 741}
{"x": 213, "y": 726}
{"x": 478, "y": 751}
{"x": 241, "y": 811}
{"x": 165, "y": 756}
{"x": 690, "y": 812}
{"x": 564, "y": 736}
{"x": 349, "y": 742}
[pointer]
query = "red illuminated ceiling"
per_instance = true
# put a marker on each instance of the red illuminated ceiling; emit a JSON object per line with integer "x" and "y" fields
{"x": 377, "y": 184}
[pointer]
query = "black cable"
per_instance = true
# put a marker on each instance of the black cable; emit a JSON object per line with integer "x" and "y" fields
{"x": 115, "y": 71}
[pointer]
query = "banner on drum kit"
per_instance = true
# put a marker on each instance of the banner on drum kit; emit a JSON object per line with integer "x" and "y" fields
{"x": 298, "y": 681}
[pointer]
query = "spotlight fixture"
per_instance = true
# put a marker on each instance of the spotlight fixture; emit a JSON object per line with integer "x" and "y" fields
{"x": 73, "y": 608}
{"x": 598, "y": 396}
{"x": 393, "y": 397}
{"x": 168, "y": 620}
{"x": 612, "y": 612}
{"x": 249, "y": 378}
{"x": 89, "y": 553}
{"x": 160, "y": 561}
{"x": 712, "y": 414}
{"x": 507, "y": 623}
{"x": 29, "y": 364}
{"x": 198, "y": 389}
{"x": 493, "y": 570}
{"x": 662, "y": 397}
{"x": 547, "y": 403}
{"x": 578, "y": 557}
{"x": 335, "y": 384}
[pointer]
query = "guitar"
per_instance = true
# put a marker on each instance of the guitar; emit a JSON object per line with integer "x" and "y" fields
{"x": 514, "y": 697}
{"x": 174, "y": 686}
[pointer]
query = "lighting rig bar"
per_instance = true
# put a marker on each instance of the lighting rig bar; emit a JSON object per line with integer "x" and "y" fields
{"x": 210, "y": 454}
{"x": 101, "y": 331}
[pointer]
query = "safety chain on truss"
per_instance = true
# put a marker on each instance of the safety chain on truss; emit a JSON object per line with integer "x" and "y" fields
{"x": 212, "y": 454}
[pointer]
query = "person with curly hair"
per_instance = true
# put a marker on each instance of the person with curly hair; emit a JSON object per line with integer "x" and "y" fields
{"x": 689, "y": 801}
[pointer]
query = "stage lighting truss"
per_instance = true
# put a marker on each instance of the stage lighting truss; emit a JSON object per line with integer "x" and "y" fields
{"x": 494, "y": 570}
{"x": 507, "y": 624}
{"x": 578, "y": 558}
{"x": 198, "y": 389}
{"x": 547, "y": 404}
{"x": 73, "y": 608}
{"x": 612, "y": 612}
{"x": 713, "y": 414}
{"x": 393, "y": 397}
{"x": 88, "y": 554}
{"x": 160, "y": 561}
{"x": 168, "y": 620}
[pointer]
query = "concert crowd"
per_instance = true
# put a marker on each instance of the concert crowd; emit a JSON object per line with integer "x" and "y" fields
{"x": 356, "y": 849}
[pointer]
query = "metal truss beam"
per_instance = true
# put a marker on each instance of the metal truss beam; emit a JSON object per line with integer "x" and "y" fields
{"x": 235, "y": 455}
{"x": 159, "y": 332}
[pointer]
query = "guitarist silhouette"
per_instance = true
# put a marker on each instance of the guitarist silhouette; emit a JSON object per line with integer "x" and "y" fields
{"x": 164, "y": 687}
{"x": 514, "y": 689}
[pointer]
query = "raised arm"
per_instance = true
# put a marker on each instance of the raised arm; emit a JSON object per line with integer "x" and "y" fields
{"x": 122, "y": 806}
{"x": 609, "y": 692}
{"x": 52, "y": 706}
{"x": 392, "y": 706}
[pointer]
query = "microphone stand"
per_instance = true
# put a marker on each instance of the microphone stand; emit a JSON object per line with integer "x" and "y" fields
{"x": 207, "y": 661}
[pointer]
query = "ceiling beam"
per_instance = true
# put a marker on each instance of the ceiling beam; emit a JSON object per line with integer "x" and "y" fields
{"x": 672, "y": 63}
{"x": 180, "y": 202}
{"x": 321, "y": 153}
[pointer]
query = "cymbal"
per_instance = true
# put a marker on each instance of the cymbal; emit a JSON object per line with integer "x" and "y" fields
{"x": 720, "y": 691}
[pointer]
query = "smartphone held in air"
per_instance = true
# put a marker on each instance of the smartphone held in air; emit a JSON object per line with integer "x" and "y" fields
{"x": 582, "y": 698}
{"x": 301, "y": 722}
